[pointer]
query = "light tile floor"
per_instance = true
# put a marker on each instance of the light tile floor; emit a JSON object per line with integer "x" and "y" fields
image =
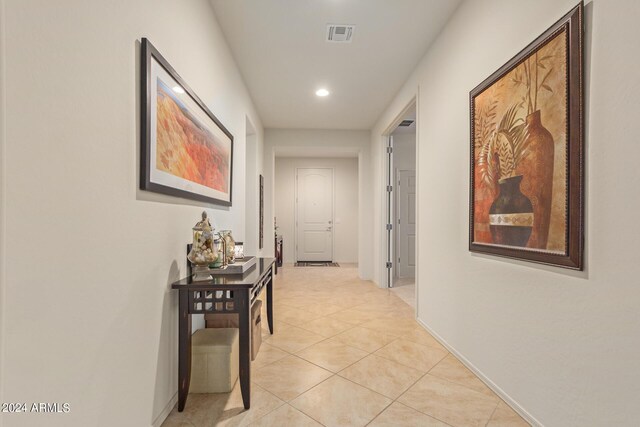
{"x": 405, "y": 289}
{"x": 346, "y": 353}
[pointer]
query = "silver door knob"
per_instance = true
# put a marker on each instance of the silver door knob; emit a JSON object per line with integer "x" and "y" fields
{"x": 328, "y": 228}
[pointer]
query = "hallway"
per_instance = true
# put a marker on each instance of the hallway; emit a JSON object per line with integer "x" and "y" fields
{"x": 347, "y": 353}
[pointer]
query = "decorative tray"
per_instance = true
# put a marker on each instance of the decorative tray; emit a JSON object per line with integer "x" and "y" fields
{"x": 240, "y": 266}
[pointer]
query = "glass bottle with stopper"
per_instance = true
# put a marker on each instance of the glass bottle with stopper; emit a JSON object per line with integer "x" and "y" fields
{"x": 203, "y": 252}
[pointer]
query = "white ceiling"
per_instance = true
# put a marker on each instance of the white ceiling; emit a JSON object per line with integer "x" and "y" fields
{"x": 280, "y": 48}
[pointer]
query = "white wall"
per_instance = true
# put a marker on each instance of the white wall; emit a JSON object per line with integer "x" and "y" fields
{"x": 404, "y": 151}
{"x": 561, "y": 344}
{"x": 89, "y": 318}
{"x": 252, "y": 195}
{"x": 3, "y": 181}
{"x": 345, "y": 175}
{"x": 324, "y": 143}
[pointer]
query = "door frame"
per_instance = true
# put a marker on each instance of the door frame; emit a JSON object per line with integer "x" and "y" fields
{"x": 414, "y": 101}
{"x": 391, "y": 213}
{"x": 333, "y": 209}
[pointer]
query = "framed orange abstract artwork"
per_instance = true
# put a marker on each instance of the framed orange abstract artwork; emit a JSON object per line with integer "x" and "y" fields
{"x": 186, "y": 151}
{"x": 527, "y": 152}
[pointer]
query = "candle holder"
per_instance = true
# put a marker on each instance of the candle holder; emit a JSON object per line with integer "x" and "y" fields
{"x": 239, "y": 250}
{"x": 220, "y": 245}
{"x": 229, "y": 245}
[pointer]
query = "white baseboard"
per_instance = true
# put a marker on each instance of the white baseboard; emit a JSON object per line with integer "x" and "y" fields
{"x": 165, "y": 412}
{"x": 497, "y": 390}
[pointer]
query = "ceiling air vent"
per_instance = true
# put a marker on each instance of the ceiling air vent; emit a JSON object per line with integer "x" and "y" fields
{"x": 340, "y": 33}
{"x": 406, "y": 123}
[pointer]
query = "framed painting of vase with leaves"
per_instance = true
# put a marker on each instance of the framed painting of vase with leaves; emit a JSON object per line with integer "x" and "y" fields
{"x": 527, "y": 166}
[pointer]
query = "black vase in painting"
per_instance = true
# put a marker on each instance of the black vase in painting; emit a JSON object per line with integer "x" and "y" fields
{"x": 511, "y": 214}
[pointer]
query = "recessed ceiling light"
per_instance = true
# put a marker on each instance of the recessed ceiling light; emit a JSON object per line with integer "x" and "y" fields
{"x": 177, "y": 89}
{"x": 322, "y": 92}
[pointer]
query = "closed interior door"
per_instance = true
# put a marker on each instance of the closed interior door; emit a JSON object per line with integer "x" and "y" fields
{"x": 406, "y": 223}
{"x": 314, "y": 214}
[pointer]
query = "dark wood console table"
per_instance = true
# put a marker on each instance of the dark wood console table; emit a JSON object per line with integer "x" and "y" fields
{"x": 279, "y": 251}
{"x": 224, "y": 294}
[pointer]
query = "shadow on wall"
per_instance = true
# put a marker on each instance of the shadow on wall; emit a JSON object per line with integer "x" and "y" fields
{"x": 167, "y": 361}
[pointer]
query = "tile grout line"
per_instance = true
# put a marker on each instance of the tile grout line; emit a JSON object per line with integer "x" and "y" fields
{"x": 336, "y": 374}
{"x": 379, "y": 355}
{"x": 284, "y": 402}
{"x": 464, "y": 385}
{"x": 492, "y": 414}
{"x": 302, "y": 327}
{"x": 451, "y": 382}
{"x": 315, "y": 364}
{"x": 304, "y": 413}
{"x": 353, "y": 382}
{"x": 414, "y": 383}
{"x": 347, "y": 379}
{"x": 415, "y": 409}
{"x": 428, "y": 415}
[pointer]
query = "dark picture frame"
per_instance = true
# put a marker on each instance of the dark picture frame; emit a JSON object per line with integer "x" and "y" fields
{"x": 185, "y": 150}
{"x": 526, "y": 198}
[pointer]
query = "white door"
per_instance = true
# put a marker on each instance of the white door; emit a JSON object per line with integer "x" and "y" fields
{"x": 314, "y": 214}
{"x": 406, "y": 223}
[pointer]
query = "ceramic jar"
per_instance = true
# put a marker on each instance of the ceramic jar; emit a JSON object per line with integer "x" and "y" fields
{"x": 203, "y": 251}
{"x": 511, "y": 215}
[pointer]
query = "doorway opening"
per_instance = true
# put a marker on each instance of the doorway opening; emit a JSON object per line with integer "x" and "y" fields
{"x": 316, "y": 208}
{"x": 401, "y": 171}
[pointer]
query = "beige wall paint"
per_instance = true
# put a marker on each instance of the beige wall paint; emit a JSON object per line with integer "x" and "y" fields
{"x": 3, "y": 181}
{"x": 345, "y": 175}
{"x": 404, "y": 151}
{"x": 324, "y": 143}
{"x": 253, "y": 171}
{"x": 89, "y": 318}
{"x": 562, "y": 345}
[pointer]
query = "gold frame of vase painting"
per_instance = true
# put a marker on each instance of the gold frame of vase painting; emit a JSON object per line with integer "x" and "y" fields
{"x": 527, "y": 152}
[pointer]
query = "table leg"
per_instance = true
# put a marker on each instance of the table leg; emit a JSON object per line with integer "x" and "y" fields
{"x": 184, "y": 349}
{"x": 244, "y": 331}
{"x": 275, "y": 249}
{"x": 270, "y": 304}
